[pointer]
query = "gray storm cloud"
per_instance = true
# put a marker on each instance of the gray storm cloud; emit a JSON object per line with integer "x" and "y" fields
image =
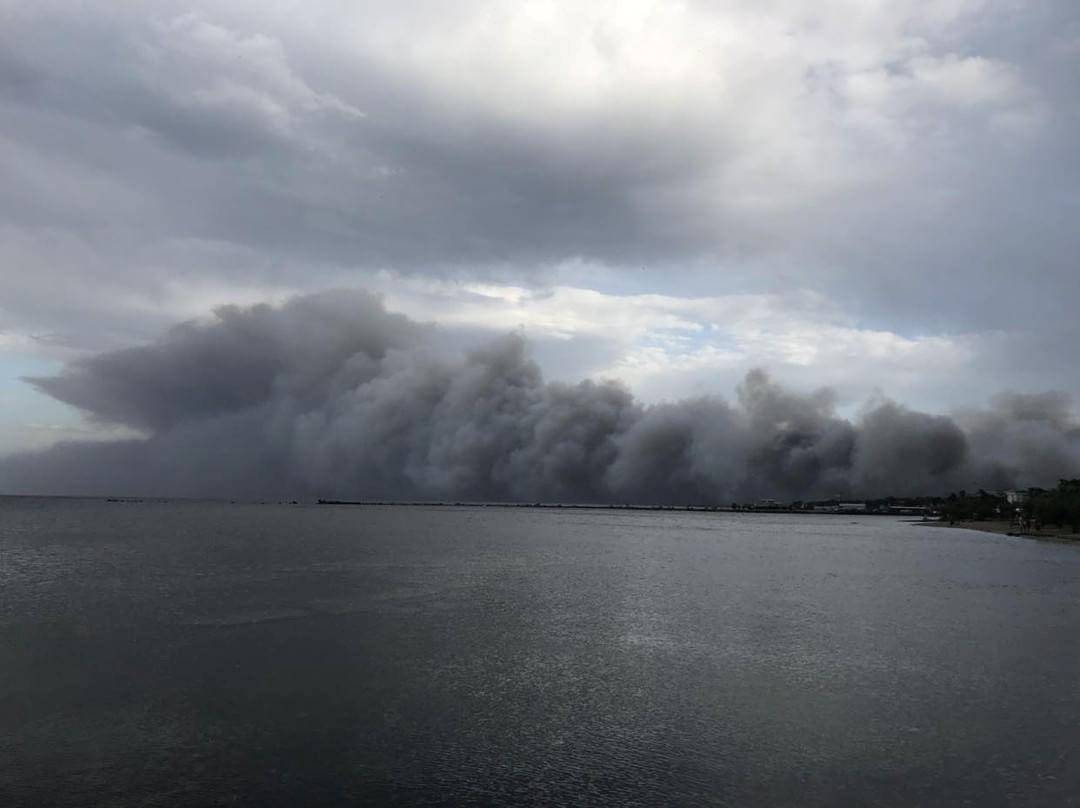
{"x": 332, "y": 395}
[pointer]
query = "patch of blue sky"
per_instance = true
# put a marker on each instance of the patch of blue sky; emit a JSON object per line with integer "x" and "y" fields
{"x": 28, "y": 418}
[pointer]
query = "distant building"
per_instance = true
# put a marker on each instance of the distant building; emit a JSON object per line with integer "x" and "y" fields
{"x": 1015, "y": 497}
{"x": 851, "y": 507}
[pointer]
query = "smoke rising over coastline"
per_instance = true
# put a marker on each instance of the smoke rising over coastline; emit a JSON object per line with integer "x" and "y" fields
{"x": 332, "y": 395}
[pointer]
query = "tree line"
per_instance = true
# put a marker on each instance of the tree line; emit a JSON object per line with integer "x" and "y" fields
{"x": 1055, "y": 507}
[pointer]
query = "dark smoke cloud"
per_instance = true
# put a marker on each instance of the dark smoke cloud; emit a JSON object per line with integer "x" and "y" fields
{"x": 331, "y": 395}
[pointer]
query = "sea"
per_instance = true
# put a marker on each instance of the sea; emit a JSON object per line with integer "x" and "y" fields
{"x": 163, "y": 653}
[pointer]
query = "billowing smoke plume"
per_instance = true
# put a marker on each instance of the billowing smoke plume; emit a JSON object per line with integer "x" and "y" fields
{"x": 331, "y": 395}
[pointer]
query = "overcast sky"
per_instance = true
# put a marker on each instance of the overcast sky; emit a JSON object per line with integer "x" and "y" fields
{"x": 875, "y": 195}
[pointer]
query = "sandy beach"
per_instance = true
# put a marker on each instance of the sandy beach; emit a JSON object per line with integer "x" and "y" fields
{"x": 1004, "y": 527}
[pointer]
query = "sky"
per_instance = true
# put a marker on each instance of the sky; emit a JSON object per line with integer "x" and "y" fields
{"x": 878, "y": 198}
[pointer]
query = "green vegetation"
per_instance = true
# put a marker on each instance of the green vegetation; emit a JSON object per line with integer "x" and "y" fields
{"x": 1057, "y": 507}
{"x": 982, "y": 506}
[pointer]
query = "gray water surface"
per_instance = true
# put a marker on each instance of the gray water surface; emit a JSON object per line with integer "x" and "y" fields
{"x": 216, "y": 654}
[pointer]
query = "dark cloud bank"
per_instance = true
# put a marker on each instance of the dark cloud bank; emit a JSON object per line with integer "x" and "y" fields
{"x": 331, "y": 395}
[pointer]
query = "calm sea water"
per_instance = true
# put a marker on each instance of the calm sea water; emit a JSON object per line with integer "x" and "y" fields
{"x": 214, "y": 654}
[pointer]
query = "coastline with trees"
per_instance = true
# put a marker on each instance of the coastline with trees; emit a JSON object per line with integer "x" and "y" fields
{"x": 1036, "y": 512}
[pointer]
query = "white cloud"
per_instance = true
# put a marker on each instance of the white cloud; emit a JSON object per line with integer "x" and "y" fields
{"x": 250, "y": 72}
{"x": 667, "y": 347}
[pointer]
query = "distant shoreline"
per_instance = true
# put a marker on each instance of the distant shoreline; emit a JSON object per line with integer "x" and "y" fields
{"x": 996, "y": 527}
{"x": 131, "y": 500}
{"x": 607, "y": 507}
{"x": 1004, "y": 528}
